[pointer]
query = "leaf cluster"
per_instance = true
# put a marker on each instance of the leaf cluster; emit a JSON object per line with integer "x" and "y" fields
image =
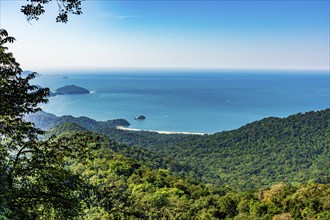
{"x": 35, "y": 8}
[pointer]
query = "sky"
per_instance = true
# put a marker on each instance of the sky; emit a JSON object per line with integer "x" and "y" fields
{"x": 173, "y": 34}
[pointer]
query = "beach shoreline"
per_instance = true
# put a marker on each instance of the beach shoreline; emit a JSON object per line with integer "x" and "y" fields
{"x": 160, "y": 132}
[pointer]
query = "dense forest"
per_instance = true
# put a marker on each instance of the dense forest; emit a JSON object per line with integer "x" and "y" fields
{"x": 270, "y": 169}
{"x": 290, "y": 150}
{"x": 123, "y": 188}
{"x": 115, "y": 186}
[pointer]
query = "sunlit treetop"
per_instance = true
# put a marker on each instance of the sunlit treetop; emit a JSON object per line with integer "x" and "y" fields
{"x": 35, "y": 8}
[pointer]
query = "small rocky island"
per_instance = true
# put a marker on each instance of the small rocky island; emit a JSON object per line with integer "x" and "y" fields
{"x": 71, "y": 89}
{"x": 140, "y": 117}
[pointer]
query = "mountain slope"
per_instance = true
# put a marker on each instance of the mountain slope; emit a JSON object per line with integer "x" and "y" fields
{"x": 46, "y": 121}
{"x": 292, "y": 150}
{"x": 123, "y": 188}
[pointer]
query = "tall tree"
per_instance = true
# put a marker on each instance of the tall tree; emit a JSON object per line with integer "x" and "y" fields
{"x": 34, "y": 180}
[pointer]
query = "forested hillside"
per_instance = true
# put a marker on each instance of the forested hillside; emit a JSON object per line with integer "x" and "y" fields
{"x": 124, "y": 188}
{"x": 114, "y": 186}
{"x": 291, "y": 150}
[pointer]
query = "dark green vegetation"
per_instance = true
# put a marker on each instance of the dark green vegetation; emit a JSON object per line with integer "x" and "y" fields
{"x": 71, "y": 89}
{"x": 143, "y": 180}
{"x": 83, "y": 174}
{"x": 126, "y": 189}
{"x": 291, "y": 150}
{"x": 34, "y": 178}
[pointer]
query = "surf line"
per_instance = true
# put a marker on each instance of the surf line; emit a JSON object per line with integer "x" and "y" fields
{"x": 159, "y": 132}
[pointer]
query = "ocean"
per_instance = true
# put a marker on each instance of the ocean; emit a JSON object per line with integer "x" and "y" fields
{"x": 187, "y": 101}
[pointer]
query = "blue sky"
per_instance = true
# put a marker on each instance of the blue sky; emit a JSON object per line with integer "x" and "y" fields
{"x": 174, "y": 34}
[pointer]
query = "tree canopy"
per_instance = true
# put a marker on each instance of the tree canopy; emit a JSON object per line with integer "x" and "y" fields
{"x": 35, "y": 8}
{"x": 34, "y": 178}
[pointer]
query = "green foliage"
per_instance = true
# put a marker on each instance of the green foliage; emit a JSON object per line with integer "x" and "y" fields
{"x": 149, "y": 158}
{"x": 35, "y": 8}
{"x": 289, "y": 150}
{"x": 35, "y": 181}
{"x": 293, "y": 149}
{"x": 122, "y": 188}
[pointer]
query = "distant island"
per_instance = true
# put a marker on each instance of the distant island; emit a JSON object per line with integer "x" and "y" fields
{"x": 140, "y": 117}
{"x": 71, "y": 89}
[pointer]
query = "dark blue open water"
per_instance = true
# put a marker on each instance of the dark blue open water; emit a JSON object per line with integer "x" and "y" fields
{"x": 194, "y": 102}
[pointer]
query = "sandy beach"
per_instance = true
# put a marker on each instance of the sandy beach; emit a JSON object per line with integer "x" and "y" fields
{"x": 159, "y": 132}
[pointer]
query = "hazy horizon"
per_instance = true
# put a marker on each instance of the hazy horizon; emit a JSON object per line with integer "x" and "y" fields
{"x": 175, "y": 71}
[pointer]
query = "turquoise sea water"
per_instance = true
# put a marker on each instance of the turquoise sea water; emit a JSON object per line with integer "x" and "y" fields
{"x": 205, "y": 102}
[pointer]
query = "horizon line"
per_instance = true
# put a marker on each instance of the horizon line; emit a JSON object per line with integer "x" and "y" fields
{"x": 193, "y": 69}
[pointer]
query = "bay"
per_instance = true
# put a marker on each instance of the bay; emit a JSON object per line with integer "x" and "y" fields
{"x": 187, "y": 101}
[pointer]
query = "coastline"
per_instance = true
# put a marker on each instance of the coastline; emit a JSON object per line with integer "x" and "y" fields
{"x": 160, "y": 132}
